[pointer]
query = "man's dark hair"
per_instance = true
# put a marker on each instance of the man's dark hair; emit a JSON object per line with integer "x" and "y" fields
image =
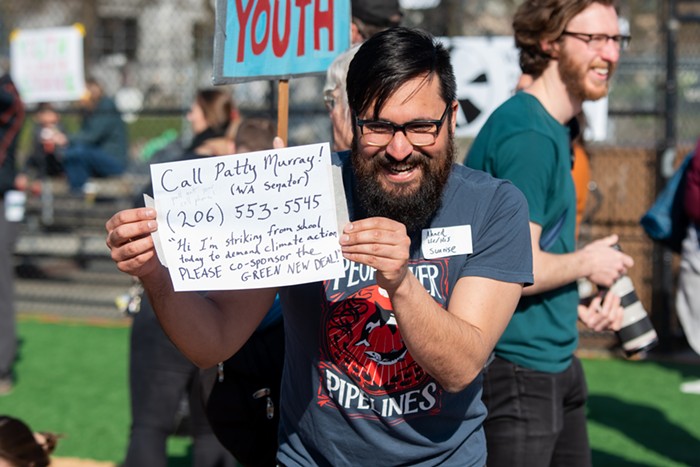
{"x": 379, "y": 13}
{"x": 544, "y": 20}
{"x": 389, "y": 59}
{"x": 373, "y": 16}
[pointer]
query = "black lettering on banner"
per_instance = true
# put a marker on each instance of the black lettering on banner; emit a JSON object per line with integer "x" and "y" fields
{"x": 253, "y": 217}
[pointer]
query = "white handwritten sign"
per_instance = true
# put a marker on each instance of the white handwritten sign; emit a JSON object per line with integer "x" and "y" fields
{"x": 251, "y": 220}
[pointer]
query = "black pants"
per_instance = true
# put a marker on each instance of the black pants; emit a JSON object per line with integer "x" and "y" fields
{"x": 160, "y": 376}
{"x": 8, "y": 325}
{"x": 535, "y": 419}
{"x": 247, "y": 425}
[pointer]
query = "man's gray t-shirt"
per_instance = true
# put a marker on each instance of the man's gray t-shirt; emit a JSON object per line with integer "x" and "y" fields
{"x": 352, "y": 393}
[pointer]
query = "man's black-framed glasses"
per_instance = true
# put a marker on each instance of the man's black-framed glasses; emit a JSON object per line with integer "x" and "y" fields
{"x": 418, "y": 132}
{"x": 598, "y": 41}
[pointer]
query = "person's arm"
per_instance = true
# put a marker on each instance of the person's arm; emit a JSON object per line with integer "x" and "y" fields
{"x": 451, "y": 346}
{"x": 207, "y": 329}
{"x": 597, "y": 261}
{"x": 530, "y": 160}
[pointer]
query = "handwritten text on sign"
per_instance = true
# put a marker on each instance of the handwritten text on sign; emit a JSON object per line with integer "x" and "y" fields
{"x": 251, "y": 220}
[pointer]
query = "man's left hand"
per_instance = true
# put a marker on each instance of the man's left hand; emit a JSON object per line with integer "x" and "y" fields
{"x": 602, "y": 314}
{"x": 380, "y": 243}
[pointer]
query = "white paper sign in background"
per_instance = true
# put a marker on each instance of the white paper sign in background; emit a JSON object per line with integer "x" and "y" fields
{"x": 251, "y": 220}
{"x": 47, "y": 64}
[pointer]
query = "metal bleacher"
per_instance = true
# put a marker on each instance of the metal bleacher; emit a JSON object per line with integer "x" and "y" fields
{"x": 62, "y": 263}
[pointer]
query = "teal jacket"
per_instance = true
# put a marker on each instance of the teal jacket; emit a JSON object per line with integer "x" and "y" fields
{"x": 104, "y": 128}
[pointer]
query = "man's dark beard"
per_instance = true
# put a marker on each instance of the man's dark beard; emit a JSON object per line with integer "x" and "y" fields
{"x": 413, "y": 209}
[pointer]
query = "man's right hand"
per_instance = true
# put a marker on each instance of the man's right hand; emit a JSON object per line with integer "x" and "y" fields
{"x": 129, "y": 240}
{"x": 605, "y": 263}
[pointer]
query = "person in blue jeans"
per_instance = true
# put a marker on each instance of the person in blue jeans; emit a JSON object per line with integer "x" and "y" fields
{"x": 100, "y": 147}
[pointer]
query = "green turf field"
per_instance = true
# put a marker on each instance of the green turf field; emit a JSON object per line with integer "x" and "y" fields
{"x": 72, "y": 379}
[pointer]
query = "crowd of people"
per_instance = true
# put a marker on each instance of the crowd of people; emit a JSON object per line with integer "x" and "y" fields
{"x": 467, "y": 358}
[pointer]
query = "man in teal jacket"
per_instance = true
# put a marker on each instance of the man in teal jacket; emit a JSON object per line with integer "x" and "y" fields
{"x": 99, "y": 148}
{"x": 535, "y": 390}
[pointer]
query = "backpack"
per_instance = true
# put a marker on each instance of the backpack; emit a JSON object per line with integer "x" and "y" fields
{"x": 666, "y": 221}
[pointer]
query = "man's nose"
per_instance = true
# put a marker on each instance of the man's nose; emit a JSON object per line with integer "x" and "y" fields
{"x": 610, "y": 51}
{"x": 399, "y": 147}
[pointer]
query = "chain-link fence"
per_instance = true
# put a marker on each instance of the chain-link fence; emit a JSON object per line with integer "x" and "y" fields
{"x": 161, "y": 51}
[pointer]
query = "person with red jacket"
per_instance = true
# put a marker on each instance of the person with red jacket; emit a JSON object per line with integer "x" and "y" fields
{"x": 11, "y": 120}
{"x": 687, "y": 296}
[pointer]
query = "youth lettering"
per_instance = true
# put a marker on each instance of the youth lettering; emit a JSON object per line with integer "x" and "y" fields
{"x": 278, "y": 38}
{"x": 258, "y": 20}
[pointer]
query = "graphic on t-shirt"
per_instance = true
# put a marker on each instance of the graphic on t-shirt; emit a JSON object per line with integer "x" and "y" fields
{"x": 364, "y": 340}
{"x": 365, "y": 362}
{"x": 382, "y": 319}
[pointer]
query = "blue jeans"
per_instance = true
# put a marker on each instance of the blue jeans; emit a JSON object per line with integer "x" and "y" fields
{"x": 535, "y": 418}
{"x": 81, "y": 162}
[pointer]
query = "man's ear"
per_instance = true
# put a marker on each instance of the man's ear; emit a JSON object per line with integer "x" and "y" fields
{"x": 455, "y": 108}
{"x": 550, "y": 48}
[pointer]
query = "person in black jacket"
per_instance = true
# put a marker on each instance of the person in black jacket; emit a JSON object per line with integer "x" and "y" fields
{"x": 11, "y": 120}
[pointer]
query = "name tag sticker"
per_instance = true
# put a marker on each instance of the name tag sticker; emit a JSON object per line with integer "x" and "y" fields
{"x": 447, "y": 241}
